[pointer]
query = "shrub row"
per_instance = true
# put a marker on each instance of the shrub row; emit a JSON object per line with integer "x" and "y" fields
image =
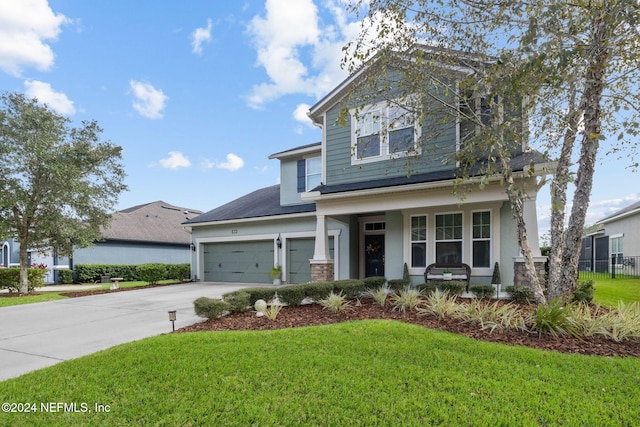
{"x": 10, "y": 278}
{"x": 151, "y": 272}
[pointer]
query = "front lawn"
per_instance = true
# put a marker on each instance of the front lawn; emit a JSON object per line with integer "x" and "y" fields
{"x": 356, "y": 373}
{"x": 609, "y": 291}
{"x": 6, "y": 301}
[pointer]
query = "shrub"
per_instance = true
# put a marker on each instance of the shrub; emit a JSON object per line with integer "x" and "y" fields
{"x": 495, "y": 278}
{"x": 406, "y": 300}
{"x": 453, "y": 287}
{"x": 238, "y": 301}
{"x": 374, "y": 282}
{"x": 522, "y": 294}
{"x": 398, "y": 285}
{"x": 426, "y": 288}
{"x": 65, "y": 276}
{"x": 584, "y": 291}
{"x": 152, "y": 272}
{"x": 90, "y": 273}
{"x": 554, "y": 319}
{"x": 350, "y": 288}
{"x": 210, "y": 308}
{"x": 379, "y": 295}
{"x": 179, "y": 271}
{"x": 439, "y": 304}
{"x": 483, "y": 291}
{"x": 335, "y": 303}
{"x": 492, "y": 315}
{"x": 10, "y": 278}
{"x": 254, "y": 294}
{"x": 292, "y": 294}
{"x": 273, "y": 308}
{"x": 318, "y": 290}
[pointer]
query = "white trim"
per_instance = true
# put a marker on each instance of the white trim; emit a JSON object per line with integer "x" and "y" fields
{"x": 253, "y": 219}
{"x": 383, "y": 119}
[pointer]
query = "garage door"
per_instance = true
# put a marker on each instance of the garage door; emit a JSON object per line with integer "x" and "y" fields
{"x": 249, "y": 262}
{"x": 300, "y": 251}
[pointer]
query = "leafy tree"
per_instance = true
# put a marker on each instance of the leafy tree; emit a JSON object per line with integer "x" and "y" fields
{"x": 575, "y": 64}
{"x": 58, "y": 183}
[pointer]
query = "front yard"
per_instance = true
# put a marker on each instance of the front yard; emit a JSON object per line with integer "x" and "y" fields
{"x": 378, "y": 372}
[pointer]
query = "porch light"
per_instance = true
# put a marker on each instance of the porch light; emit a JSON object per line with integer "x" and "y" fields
{"x": 279, "y": 242}
{"x": 193, "y": 247}
{"x": 172, "y": 319}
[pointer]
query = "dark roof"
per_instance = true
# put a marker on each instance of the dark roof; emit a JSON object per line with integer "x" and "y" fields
{"x": 156, "y": 222}
{"x": 628, "y": 209}
{"x": 518, "y": 163}
{"x": 317, "y": 145}
{"x": 261, "y": 203}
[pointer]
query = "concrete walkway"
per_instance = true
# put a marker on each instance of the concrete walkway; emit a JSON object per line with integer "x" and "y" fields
{"x": 42, "y": 334}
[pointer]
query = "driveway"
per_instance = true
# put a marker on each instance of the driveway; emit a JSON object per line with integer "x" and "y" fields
{"x": 33, "y": 336}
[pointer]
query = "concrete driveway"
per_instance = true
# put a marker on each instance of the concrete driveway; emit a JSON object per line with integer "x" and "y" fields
{"x": 33, "y": 336}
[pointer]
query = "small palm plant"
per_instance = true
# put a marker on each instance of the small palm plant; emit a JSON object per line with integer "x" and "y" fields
{"x": 335, "y": 303}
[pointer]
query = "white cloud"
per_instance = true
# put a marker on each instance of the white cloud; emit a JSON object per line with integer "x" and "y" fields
{"x": 149, "y": 101}
{"x": 289, "y": 32}
{"x": 25, "y": 27}
{"x": 57, "y": 101}
{"x": 201, "y": 36}
{"x": 175, "y": 161}
{"x": 232, "y": 164}
{"x": 300, "y": 114}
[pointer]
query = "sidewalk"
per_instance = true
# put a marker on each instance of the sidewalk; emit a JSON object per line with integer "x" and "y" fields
{"x": 60, "y": 288}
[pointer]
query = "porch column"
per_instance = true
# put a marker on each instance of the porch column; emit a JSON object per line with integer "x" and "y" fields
{"x": 321, "y": 263}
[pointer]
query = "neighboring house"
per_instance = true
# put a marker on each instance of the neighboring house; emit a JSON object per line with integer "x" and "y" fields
{"x": 614, "y": 239}
{"x": 145, "y": 233}
{"x": 141, "y": 234}
{"x": 349, "y": 210}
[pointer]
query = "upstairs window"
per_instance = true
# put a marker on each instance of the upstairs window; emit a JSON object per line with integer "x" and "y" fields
{"x": 313, "y": 173}
{"x": 382, "y": 131}
{"x": 309, "y": 174}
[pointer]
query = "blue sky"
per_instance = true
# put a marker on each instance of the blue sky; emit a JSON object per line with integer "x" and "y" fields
{"x": 199, "y": 93}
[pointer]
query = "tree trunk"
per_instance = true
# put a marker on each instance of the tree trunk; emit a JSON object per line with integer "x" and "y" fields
{"x": 516, "y": 198}
{"x": 594, "y": 87}
{"x": 559, "y": 186}
{"x": 24, "y": 274}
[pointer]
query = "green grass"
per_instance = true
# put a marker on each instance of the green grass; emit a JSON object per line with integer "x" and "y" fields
{"x": 610, "y": 291}
{"x": 53, "y": 295}
{"x": 29, "y": 299}
{"x": 358, "y": 373}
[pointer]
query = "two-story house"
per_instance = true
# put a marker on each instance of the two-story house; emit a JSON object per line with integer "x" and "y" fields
{"x": 348, "y": 207}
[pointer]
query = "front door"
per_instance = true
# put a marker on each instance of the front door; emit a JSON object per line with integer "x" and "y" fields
{"x": 373, "y": 255}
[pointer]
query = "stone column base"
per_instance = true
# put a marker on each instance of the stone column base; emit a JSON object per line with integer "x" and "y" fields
{"x": 520, "y": 277}
{"x": 321, "y": 271}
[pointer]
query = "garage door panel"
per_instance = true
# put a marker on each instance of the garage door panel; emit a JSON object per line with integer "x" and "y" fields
{"x": 299, "y": 252}
{"x": 238, "y": 262}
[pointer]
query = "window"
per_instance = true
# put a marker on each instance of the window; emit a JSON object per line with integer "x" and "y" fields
{"x": 313, "y": 173}
{"x": 481, "y": 239}
{"x": 449, "y": 238}
{"x": 368, "y": 135}
{"x": 381, "y": 132}
{"x": 419, "y": 241}
{"x": 474, "y": 113}
{"x": 617, "y": 250}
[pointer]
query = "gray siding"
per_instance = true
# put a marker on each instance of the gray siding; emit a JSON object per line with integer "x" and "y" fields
{"x": 131, "y": 253}
{"x": 439, "y": 143}
{"x": 629, "y": 227}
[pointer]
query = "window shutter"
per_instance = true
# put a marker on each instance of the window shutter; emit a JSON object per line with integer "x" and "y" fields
{"x": 302, "y": 175}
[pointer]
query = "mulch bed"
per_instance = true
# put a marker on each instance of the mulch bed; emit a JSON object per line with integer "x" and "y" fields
{"x": 314, "y": 314}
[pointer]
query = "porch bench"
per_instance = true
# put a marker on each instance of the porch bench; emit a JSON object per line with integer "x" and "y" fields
{"x": 459, "y": 272}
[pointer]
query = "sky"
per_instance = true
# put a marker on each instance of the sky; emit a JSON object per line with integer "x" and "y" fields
{"x": 200, "y": 93}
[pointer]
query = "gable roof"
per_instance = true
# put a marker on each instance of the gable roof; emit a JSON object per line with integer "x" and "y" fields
{"x": 629, "y": 210}
{"x": 156, "y": 222}
{"x": 298, "y": 151}
{"x": 264, "y": 202}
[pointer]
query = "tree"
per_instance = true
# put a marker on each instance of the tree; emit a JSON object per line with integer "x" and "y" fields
{"x": 58, "y": 183}
{"x": 576, "y": 64}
